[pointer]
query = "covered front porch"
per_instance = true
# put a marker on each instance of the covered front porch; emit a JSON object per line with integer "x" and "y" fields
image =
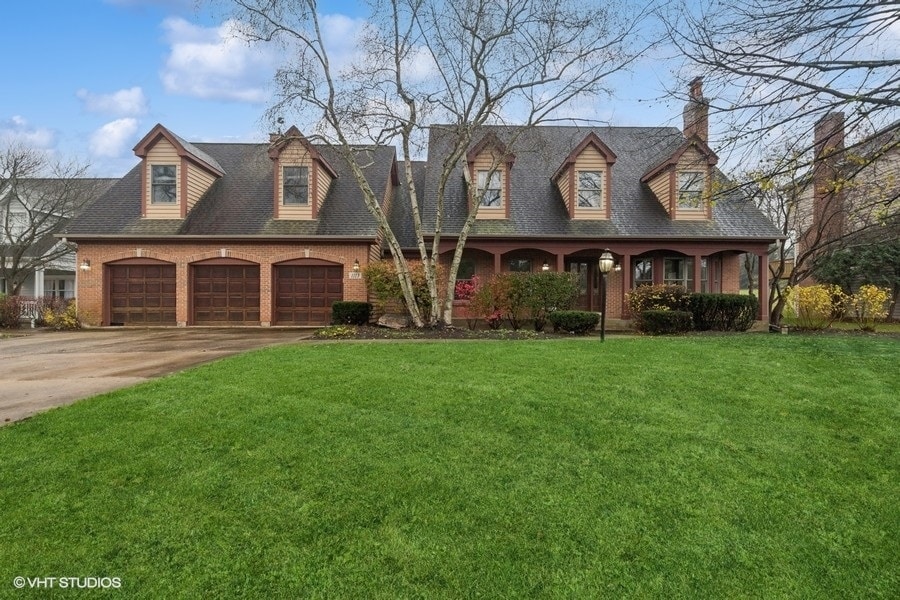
{"x": 707, "y": 267}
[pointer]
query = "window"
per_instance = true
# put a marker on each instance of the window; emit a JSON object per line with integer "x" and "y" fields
{"x": 679, "y": 271}
{"x": 489, "y": 191}
{"x": 520, "y": 265}
{"x": 643, "y": 272}
{"x": 466, "y": 269}
{"x": 704, "y": 276}
{"x": 59, "y": 288}
{"x": 162, "y": 184}
{"x": 296, "y": 185}
{"x": 590, "y": 189}
{"x": 690, "y": 189}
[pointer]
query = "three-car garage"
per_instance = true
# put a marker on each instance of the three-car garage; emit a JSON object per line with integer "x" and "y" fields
{"x": 223, "y": 292}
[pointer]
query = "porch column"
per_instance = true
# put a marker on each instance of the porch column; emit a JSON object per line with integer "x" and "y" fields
{"x": 560, "y": 263}
{"x": 658, "y": 274}
{"x": 762, "y": 285}
{"x": 38, "y": 283}
{"x": 496, "y": 262}
{"x": 627, "y": 276}
{"x": 697, "y": 269}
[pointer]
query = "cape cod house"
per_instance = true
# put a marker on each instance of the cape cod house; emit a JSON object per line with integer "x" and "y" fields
{"x": 272, "y": 234}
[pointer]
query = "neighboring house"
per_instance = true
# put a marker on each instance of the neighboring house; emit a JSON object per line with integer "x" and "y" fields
{"x": 31, "y": 212}
{"x": 271, "y": 234}
{"x": 852, "y": 196}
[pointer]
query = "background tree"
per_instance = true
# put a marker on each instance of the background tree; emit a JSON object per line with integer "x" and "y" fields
{"x": 462, "y": 64}
{"x": 38, "y": 195}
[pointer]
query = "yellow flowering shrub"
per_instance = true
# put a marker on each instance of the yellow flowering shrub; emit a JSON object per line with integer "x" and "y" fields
{"x": 868, "y": 305}
{"x": 66, "y": 318}
{"x": 815, "y": 306}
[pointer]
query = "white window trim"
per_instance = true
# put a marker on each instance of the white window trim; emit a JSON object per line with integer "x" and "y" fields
{"x": 481, "y": 182}
{"x": 154, "y": 185}
{"x": 284, "y": 185}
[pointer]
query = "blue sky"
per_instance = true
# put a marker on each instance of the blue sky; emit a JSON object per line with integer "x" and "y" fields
{"x": 88, "y": 78}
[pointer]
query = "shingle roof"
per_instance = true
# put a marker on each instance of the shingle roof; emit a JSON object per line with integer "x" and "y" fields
{"x": 537, "y": 209}
{"x": 241, "y": 202}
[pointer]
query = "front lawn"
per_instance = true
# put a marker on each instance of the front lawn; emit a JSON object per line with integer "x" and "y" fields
{"x": 697, "y": 467}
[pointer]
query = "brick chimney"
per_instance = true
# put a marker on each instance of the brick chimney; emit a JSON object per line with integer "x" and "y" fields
{"x": 828, "y": 203}
{"x": 696, "y": 112}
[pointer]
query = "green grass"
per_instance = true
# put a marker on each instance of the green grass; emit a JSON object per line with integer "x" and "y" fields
{"x": 700, "y": 467}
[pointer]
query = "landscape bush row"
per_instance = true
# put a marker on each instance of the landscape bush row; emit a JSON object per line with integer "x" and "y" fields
{"x": 663, "y": 309}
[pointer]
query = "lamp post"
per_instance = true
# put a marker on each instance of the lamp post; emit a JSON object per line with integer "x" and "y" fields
{"x": 605, "y": 264}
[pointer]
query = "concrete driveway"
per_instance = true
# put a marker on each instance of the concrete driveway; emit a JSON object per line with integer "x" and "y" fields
{"x": 40, "y": 370}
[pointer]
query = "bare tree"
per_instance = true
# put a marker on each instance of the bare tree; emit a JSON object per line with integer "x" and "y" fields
{"x": 463, "y": 64}
{"x": 38, "y": 194}
{"x": 778, "y": 66}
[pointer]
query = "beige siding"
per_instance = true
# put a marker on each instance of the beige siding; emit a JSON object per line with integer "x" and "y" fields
{"x": 692, "y": 160}
{"x": 659, "y": 185}
{"x": 324, "y": 184}
{"x": 591, "y": 160}
{"x": 565, "y": 189}
{"x": 198, "y": 181}
{"x": 163, "y": 153}
{"x": 294, "y": 155}
{"x": 483, "y": 162}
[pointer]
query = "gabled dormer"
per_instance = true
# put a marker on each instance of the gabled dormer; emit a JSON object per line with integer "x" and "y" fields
{"x": 585, "y": 179}
{"x": 302, "y": 176}
{"x": 682, "y": 182}
{"x": 174, "y": 174}
{"x": 489, "y": 165}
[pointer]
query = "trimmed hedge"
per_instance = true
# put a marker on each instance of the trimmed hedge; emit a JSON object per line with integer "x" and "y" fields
{"x": 574, "y": 321}
{"x": 661, "y": 322}
{"x": 722, "y": 312}
{"x": 655, "y": 297}
{"x": 350, "y": 313}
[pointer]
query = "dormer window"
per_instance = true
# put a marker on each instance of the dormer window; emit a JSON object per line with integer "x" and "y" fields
{"x": 590, "y": 189}
{"x": 583, "y": 179}
{"x": 163, "y": 188}
{"x": 296, "y": 185}
{"x": 690, "y": 189}
{"x": 175, "y": 174}
{"x": 489, "y": 189}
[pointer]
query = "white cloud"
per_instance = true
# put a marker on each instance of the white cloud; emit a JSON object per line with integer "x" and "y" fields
{"x": 114, "y": 139}
{"x": 17, "y": 130}
{"x": 214, "y": 63}
{"x": 130, "y": 102}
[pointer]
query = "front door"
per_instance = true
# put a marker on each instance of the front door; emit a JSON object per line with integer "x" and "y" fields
{"x": 588, "y": 283}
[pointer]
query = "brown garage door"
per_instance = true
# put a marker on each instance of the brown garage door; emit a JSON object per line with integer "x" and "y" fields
{"x": 226, "y": 294}
{"x": 142, "y": 294}
{"x": 304, "y": 294}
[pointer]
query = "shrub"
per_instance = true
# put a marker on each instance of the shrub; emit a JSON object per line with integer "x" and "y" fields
{"x": 868, "y": 305}
{"x": 722, "y": 312}
{"x": 465, "y": 289}
{"x": 66, "y": 318}
{"x": 546, "y": 292}
{"x": 45, "y": 303}
{"x": 655, "y": 297}
{"x": 661, "y": 322}
{"x": 10, "y": 311}
{"x": 350, "y": 313}
{"x": 510, "y": 295}
{"x": 815, "y": 306}
{"x": 485, "y": 304}
{"x": 384, "y": 285}
{"x": 574, "y": 321}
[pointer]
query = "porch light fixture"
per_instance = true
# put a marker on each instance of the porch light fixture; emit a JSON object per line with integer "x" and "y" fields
{"x": 546, "y": 266}
{"x": 618, "y": 267}
{"x": 605, "y": 264}
{"x": 356, "y": 266}
{"x": 85, "y": 265}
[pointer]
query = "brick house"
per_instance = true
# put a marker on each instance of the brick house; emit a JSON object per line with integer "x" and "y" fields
{"x": 272, "y": 234}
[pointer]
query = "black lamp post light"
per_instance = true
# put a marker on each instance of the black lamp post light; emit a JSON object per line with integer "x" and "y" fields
{"x": 605, "y": 264}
